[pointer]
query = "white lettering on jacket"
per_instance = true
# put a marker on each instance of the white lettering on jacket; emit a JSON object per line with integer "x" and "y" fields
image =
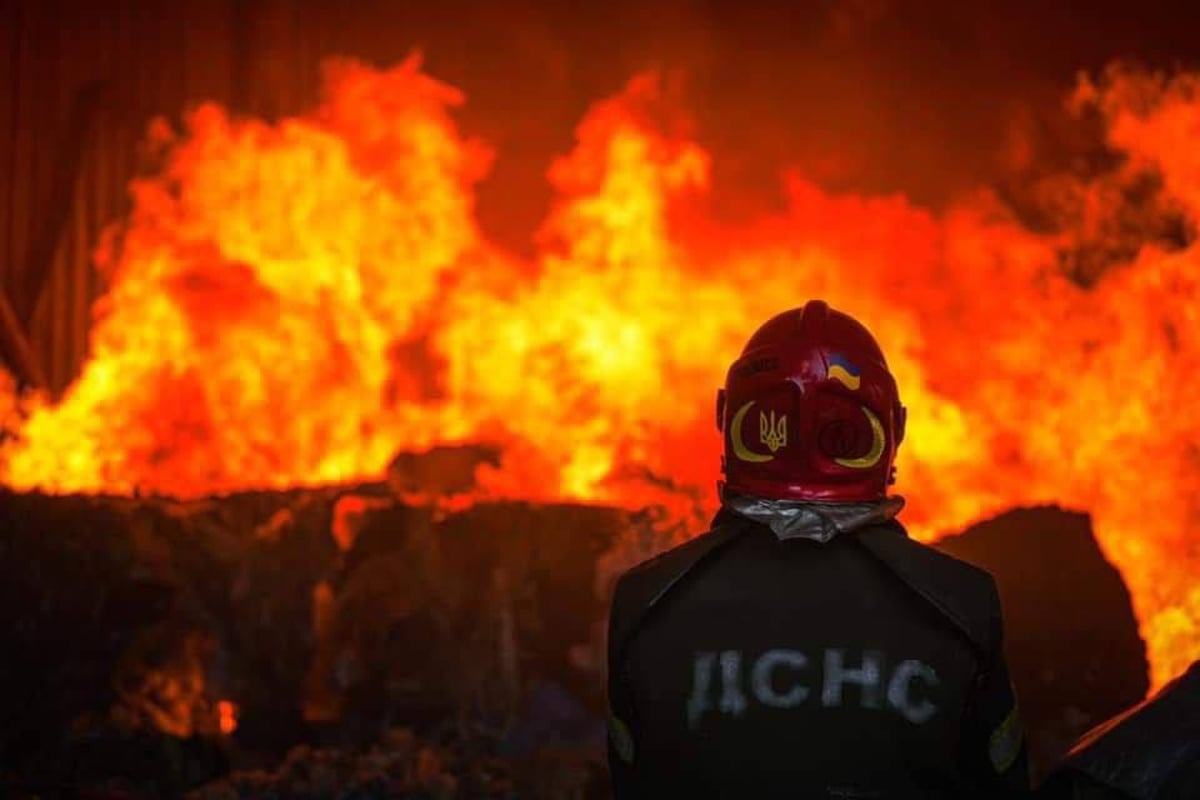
{"x": 783, "y": 679}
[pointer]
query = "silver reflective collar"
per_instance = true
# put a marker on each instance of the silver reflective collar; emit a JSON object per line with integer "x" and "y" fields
{"x": 817, "y": 522}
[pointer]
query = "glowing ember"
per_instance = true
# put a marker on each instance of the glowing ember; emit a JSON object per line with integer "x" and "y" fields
{"x": 295, "y": 303}
{"x": 227, "y": 714}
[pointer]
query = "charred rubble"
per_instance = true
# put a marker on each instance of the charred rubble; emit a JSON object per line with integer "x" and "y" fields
{"x": 1073, "y": 645}
{"x": 341, "y": 642}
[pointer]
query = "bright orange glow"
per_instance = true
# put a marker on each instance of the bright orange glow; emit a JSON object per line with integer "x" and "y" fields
{"x": 227, "y": 716}
{"x": 295, "y": 303}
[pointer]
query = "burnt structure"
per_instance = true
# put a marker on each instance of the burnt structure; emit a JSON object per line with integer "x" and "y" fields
{"x": 1072, "y": 639}
{"x": 130, "y": 626}
{"x": 342, "y": 618}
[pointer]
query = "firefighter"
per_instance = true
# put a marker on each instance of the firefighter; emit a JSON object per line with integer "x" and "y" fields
{"x": 805, "y": 647}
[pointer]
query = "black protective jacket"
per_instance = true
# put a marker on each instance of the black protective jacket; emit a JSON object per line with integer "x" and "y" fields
{"x": 742, "y": 665}
{"x": 1151, "y": 752}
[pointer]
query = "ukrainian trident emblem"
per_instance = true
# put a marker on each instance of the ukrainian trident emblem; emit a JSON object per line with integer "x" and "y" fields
{"x": 772, "y": 432}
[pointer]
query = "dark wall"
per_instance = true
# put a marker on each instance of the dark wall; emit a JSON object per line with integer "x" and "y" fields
{"x": 80, "y": 82}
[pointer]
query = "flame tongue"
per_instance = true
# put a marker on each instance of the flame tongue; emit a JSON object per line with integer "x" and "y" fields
{"x": 256, "y": 293}
{"x": 295, "y": 303}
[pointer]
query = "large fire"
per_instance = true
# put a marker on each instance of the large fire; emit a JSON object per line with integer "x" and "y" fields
{"x": 294, "y": 303}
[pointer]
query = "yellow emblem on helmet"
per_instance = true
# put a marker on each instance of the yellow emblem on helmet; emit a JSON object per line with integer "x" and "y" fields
{"x": 772, "y": 432}
{"x": 878, "y": 443}
{"x": 740, "y": 450}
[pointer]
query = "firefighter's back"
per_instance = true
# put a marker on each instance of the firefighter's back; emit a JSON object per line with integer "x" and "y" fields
{"x": 806, "y": 647}
{"x": 798, "y": 669}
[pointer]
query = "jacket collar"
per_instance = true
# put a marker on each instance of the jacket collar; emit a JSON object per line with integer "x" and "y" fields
{"x": 815, "y": 521}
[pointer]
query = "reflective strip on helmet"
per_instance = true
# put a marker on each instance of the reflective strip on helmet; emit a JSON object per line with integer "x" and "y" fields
{"x": 1005, "y": 744}
{"x": 621, "y": 738}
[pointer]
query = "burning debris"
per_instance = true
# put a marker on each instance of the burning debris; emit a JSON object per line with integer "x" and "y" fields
{"x": 200, "y": 634}
{"x": 403, "y": 766}
{"x": 160, "y": 642}
{"x": 441, "y": 474}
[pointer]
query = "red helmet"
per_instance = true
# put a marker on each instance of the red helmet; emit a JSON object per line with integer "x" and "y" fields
{"x": 810, "y": 411}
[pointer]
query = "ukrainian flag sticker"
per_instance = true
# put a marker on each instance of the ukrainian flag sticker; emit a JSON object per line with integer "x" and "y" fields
{"x": 842, "y": 370}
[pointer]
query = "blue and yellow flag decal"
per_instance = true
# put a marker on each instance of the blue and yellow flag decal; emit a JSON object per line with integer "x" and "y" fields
{"x": 844, "y": 372}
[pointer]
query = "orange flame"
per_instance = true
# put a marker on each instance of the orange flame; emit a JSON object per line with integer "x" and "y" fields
{"x": 294, "y": 303}
{"x": 227, "y": 714}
